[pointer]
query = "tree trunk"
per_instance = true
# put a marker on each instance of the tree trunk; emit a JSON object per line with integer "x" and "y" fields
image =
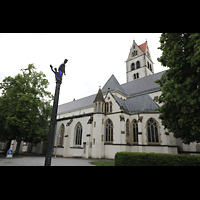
{"x": 18, "y": 146}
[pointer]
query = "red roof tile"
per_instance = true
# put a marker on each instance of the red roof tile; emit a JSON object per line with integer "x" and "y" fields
{"x": 143, "y": 46}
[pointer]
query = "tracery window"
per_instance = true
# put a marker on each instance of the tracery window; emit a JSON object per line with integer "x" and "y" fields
{"x": 109, "y": 131}
{"x": 135, "y": 131}
{"x": 152, "y": 130}
{"x": 78, "y": 134}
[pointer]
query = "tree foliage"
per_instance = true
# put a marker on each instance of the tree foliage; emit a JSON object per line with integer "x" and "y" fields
{"x": 25, "y": 107}
{"x": 180, "y": 84}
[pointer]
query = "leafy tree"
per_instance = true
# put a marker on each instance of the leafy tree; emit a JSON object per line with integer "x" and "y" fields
{"x": 25, "y": 107}
{"x": 180, "y": 84}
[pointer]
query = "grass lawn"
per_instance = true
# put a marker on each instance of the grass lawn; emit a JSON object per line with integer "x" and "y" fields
{"x": 103, "y": 163}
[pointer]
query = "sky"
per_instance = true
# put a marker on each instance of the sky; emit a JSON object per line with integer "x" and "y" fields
{"x": 92, "y": 58}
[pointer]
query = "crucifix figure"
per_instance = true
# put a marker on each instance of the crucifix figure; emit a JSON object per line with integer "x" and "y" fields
{"x": 59, "y": 73}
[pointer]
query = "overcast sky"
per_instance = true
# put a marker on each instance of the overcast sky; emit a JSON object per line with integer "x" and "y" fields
{"x": 92, "y": 58}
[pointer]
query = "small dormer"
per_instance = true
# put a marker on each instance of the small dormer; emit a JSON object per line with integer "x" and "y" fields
{"x": 99, "y": 102}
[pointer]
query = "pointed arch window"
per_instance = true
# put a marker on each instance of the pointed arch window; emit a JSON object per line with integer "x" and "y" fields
{"x": 109, "y": 131}
{"x": 135, "y": 131}
{"x": 61, "y": 133}
{"x": 78, "y": 134}
{"x": 152, "y": 131}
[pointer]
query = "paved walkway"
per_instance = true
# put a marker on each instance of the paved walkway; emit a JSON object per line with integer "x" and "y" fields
{"x": 23, "y": 160}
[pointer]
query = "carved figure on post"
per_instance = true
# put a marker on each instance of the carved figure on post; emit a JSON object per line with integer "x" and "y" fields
{"x": 59, "y": 73}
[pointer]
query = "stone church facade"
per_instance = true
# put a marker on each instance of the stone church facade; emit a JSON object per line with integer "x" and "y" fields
{"x": 119, "y": 117}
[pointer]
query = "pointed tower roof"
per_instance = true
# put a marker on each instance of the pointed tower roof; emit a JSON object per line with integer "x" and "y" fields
{"x": 143, "y": 46}
{"x": 99, "y": 96}
{"x": 140, "y": 49}
{"x": 113, "y": 85}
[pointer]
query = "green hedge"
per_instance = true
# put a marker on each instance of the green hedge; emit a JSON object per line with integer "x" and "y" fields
{"x": 155, "y": 159}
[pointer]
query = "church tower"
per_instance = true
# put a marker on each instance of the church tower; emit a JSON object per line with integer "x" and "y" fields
{"x": 139, "y": 63}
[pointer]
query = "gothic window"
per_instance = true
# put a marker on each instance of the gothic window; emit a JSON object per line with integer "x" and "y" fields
{"x": 134, "y": 53}
{"x": 78, "y": 134}
{"x": 61, "y": 133}
{"x": 150, "y": 67}
{"x": 109, "y": 131}
{"x": 132, "y": 66}
{"x": 99, "y": 106}
{"x": 152, "y": 130}
{"x": 110, "y": 106}
{"x": 107, "y": 107}
{"x": 95, "y": 107}
{"x": 147, "y": 64}
{"x": 137, "y": 75}
{"x": 138, "y": 64}
{"x": 127, "y": 126}
{"x": 135, "y": 131}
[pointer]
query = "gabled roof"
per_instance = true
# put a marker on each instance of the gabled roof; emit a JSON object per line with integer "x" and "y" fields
{"x": 143, "y": 47}
{"x": 113, "y": 84}
{"x": 143, "y": 103}
{"x": 138, "y": 100}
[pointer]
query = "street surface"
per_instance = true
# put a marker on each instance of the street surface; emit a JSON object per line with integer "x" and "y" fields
{"x": 24, "y": 160}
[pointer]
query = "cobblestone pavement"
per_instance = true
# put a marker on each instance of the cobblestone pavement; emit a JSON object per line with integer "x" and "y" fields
{"x": 23, "y": 160}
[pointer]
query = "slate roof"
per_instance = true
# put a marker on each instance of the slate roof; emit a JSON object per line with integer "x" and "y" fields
{"x": 99, "y": 96}
{"x": 143, "y": 103}
{"x": 77, "y": 104}
{"x": 136, "y": 91}
{"x": 113, "y": 84}
{"x": 133, "y": 88}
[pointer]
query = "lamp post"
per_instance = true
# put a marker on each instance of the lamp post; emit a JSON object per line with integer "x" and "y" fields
{"x": 58, "y": 76}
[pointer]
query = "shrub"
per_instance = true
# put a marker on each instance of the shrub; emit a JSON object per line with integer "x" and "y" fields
{"x": 155, "y": 159}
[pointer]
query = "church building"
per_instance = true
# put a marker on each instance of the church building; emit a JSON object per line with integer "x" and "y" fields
{"x": 119, "y": 117}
